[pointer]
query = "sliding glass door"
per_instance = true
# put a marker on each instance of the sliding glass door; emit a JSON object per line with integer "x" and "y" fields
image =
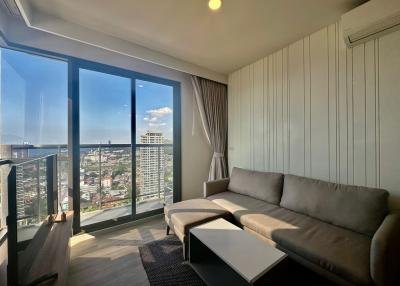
{"x": 154, "y": 145}
{"x": 127, "y": 155}
{"x": 105, "y": 146}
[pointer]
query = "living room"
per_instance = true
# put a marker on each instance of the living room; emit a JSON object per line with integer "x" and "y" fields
{"x": 203, "y": 142}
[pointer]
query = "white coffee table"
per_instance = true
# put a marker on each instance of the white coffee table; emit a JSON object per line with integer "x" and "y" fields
{"x": 224, "y": 254}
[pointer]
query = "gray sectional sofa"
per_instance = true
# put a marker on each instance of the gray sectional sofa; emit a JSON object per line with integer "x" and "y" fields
{"x": 343, "y": 232}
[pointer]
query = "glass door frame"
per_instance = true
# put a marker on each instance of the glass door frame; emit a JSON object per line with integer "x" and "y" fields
{"x": 74, "y": 141}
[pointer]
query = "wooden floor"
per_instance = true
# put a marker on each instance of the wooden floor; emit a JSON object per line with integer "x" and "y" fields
{"x": 112, "y": 257}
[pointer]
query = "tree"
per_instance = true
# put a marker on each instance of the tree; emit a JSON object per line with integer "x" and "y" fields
{"x": 119, "y": 170}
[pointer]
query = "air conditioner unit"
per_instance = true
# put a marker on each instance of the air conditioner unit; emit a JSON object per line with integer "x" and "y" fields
{"x": 370, "y": 20}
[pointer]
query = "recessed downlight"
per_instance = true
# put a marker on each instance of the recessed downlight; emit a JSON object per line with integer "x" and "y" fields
{"x": 214, "y": 4}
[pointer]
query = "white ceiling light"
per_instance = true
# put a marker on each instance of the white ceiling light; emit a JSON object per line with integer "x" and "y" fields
{"x": 214, "y": 4}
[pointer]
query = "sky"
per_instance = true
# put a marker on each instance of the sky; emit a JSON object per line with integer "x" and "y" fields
{"x": 33, "y": 103}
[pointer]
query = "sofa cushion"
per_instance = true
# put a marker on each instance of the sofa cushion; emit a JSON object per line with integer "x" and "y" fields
{"x": 341, "y": 251}
{"x": 265, "y": 222}
{"x": 186, "y": 214}
{"x": 360, "y": 209}
{"x": 260, "y": 185}
{"x": 240, "y": 205}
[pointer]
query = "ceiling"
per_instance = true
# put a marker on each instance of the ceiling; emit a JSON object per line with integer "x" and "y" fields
{"x": 241, "y": 32}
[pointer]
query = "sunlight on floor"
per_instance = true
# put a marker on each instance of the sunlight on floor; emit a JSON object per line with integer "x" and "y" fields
{"x": 81, "y": 238}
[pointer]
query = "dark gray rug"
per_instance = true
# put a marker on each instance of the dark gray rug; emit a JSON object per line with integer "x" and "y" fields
{"x": 164, "y": 264}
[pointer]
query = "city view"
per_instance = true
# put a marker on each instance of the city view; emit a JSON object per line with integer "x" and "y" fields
{"x": 113, "y": 188}
{"x": 105, "y": 180}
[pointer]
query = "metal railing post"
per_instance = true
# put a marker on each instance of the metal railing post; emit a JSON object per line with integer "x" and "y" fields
{"x": 12, "y": 278}
{"x": 59, "y": 173}
{"x": 51, "y": 176}
{"x": 50, "y": 185}
{"x": 37, "y": 165}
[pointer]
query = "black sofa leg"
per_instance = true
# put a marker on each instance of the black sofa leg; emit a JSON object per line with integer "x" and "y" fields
{"x": 168, "y": 229}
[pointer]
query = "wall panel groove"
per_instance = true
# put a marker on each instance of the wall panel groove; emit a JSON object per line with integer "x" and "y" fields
{"x": 304, "y": 109}
{"x": 329, "y": 109}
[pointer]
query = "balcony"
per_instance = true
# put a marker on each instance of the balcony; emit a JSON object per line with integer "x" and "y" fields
{"x": 106, "y": 177}
{"x": 28, "y": 184}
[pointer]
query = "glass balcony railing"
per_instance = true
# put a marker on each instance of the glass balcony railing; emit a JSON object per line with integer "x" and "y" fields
{"x": 105, "y": 182}
{"x": 30, "y": 151}
{"x": 32, "y": 190}
{"x": 106, "y": 177}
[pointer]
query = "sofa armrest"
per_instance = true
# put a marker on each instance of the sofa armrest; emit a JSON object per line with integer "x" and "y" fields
{"x": 215, "y": 187}
{"x": 385, "y": 252}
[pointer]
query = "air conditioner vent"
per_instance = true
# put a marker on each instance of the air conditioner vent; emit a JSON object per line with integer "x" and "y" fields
{"x": 371, "y": 20}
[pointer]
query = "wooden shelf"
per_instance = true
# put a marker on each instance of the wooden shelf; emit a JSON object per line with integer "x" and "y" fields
{"x": 54, "y": 254}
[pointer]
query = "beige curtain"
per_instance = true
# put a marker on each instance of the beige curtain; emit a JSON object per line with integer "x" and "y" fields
{"x": 212, "y": 102}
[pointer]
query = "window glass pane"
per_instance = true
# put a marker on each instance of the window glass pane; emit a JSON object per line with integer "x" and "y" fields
{"x": 34, "y": 95}
{"x": 33, "y": 113}
{"x": 154, "y": 112}
{"x": 105, "y": 156}
{"x": 154, "y": 164}
{"x": 105, "y": 108}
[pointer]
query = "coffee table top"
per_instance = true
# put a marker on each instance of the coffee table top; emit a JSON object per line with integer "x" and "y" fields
{"x": 243, "y": 252}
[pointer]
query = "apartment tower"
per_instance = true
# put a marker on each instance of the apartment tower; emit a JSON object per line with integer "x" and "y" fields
{"x": 152, "y": 163}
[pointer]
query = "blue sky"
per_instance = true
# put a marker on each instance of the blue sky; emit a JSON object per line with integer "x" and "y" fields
{"x": 154, "y": 108}
{"x": 34, "y": 103}
{"x": 33, "y": 99}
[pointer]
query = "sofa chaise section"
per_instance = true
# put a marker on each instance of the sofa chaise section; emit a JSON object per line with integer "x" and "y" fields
{"x": 182, "y": 216}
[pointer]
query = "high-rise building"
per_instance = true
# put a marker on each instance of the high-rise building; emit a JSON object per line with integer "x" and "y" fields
{"x": 152, "y": 164}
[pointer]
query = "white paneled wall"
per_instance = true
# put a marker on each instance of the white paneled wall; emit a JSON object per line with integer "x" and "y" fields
{"x": 319, "y": 109}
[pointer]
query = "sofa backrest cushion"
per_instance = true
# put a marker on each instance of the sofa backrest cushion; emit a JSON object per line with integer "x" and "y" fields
{"x": 260, "y": 185}
{"x": 360, "y": 209}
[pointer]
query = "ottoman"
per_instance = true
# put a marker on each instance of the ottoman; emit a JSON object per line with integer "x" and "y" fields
{"x": 182, "y": 216}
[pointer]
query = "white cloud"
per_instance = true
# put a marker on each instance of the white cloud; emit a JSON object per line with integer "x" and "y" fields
{"x": 153, "y": 119}
{"x": 157, "y": 124}
{"x": 159, "y": 112}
